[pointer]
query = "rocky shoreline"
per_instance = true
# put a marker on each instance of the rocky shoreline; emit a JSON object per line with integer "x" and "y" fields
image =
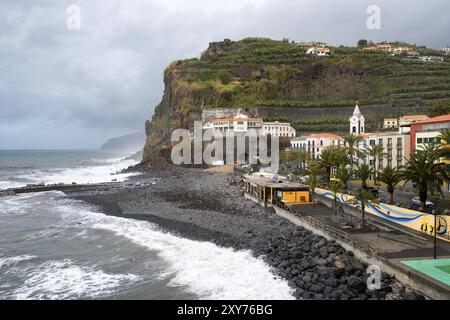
{"x": 210, "y": 207}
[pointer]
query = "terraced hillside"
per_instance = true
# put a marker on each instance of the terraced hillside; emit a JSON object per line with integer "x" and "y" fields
{"x": 314, "y": 93}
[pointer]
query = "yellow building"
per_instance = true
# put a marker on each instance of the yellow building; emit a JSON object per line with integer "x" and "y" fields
{"x": 268, "y": 193}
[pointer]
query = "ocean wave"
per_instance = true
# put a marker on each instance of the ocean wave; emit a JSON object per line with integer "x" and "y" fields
{"x": 209, "y": 271}
{"x": 107, "y": 171}
{"x": 65, "y": 280}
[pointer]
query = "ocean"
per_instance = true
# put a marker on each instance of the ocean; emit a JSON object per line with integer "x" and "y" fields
{"x": 53, "y": 247}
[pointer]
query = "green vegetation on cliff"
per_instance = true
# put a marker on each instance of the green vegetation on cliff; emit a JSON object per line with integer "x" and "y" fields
{"x": 257, "y": 72}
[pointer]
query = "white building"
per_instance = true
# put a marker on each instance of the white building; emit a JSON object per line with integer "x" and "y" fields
{"x": 278, "y": 129}
{"x": 316, "y": 143}
{"x": 357, "y": 122}
{"x": 394, "y": 123}
{"x": 396, "y": 147}
{"x": 446, "y": 50}
{"x": 242, "y": 124}
{"x": 318, "y": 51}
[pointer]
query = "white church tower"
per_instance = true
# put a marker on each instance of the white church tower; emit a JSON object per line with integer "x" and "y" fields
{"x": 357, "y": 122}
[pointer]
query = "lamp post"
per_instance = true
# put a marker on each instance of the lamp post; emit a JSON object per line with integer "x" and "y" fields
{"x": 435, "y": 230}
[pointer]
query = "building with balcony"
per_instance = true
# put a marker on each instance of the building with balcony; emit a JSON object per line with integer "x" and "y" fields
{"x": 316, "y": 143}
{"x": 278, "y": 129}
{"x": 241, "y": 123}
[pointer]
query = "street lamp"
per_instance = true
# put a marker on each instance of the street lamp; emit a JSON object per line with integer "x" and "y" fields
{"x": 435, "y": 230}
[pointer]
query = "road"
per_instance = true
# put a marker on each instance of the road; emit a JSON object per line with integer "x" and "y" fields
{"x": 404, "y": 198}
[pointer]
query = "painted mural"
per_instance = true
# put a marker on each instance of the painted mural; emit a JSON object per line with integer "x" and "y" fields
{"x": 416, "y": 220}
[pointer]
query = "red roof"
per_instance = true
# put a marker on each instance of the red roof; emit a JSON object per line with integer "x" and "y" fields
{"x": 437, "y": 119}
{"x": 324, "y": 135}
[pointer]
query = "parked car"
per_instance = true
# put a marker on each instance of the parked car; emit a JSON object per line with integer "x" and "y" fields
{"x": 416, "y": 201}
{"x": 373, "y": 191}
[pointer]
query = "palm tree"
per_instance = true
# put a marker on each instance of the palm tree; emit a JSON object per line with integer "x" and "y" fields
{"x": 426, "y": 172}
{"x": 301, "y": 157}
{"x": 314, "y": 173}
{"x": 344, "y": 174}
{"x": 335, "y": 188}
{"x": 351, "y": 144}
{"x": 377, "y": 152}
{"x": 364, "y": 196}
{"x": 391, "y": 177}
{"x": 328, "y": 159}
{"x": 445, "y": 137}
{"x": 363, "y": 172}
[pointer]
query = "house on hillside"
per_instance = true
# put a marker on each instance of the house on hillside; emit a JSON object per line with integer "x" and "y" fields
{"x": 319, "y": 51}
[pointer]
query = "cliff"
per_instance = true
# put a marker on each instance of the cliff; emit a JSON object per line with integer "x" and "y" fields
{"x": 278, "y": 81}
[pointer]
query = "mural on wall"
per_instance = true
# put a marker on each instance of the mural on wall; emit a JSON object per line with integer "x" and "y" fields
{"x": 416, "y": 220}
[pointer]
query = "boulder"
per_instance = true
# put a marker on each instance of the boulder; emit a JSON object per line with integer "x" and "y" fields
{"x": 317, "y": 288}
{"x": 356, "y": 284}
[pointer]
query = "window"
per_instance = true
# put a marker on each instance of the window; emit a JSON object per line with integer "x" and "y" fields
{"x": 389, "y": 163}
{"x": 399, "y": 154}
{"x": 372, "y": 142}
{"x": 389, "y": 142}
{"x": 399, "y": 163}
{"x": 399, "y": 142}
{"x": 425, "y": 140}
{"x": 419, "y": 140}
{"x": 354, "y": 130}
{"x": 321, "y": 142}
{"x": 380, "y": 142}
{"x": 438, "y": 140}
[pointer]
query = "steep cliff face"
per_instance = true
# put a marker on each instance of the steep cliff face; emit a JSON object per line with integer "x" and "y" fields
{"x": 283, "y": 83}
{"x": 178, "y": 109}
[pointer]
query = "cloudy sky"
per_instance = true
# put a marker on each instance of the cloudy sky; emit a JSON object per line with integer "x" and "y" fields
{"x": 73, "y": 89}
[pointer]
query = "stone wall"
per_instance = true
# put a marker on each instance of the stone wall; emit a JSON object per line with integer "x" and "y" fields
{"x": 384, "y": 110}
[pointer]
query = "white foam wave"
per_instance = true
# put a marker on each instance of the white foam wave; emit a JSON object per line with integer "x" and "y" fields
{"x": 65, "y": 280}
{"x": 209, "y": 271}
{"x": 10, "y": 261}
{"x": 107, "y": 172}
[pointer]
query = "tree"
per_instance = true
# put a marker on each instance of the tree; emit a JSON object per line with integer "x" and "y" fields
{"x": 285, "y": 158}
{"x": 344, "y": 174}
{"x": 363, "y": 172}
{"x": 440, "y": 109}
{"x": 225, "y": 77}
{"x": 351, "y": 144}
{"x": 426, "y": 171}
{"x": 445, "y": 137}
{"x": 331, "y": 157}
{"x": 377, "y": 152}
{"x": 314, "y": 173}
{"x": 362, "y": 43}
{"x": 391, "y": 177}
{"x": 301, "y": 157}
{"x": 364, "y": 196}
{"x": 335, "y": 188}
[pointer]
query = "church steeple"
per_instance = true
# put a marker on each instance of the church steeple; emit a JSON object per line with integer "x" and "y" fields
{"x": 357, "y": 122}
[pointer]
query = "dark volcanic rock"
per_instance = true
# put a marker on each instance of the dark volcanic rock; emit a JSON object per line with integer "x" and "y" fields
{"x": 212, "y": 209}
{"x": 356, "y": 284}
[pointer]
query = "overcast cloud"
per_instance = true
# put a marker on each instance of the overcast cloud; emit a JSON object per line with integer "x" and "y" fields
{"x": 63, "y": 88}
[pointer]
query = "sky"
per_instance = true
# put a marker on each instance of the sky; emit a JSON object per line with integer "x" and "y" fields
{"x": 64, "y": 87}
